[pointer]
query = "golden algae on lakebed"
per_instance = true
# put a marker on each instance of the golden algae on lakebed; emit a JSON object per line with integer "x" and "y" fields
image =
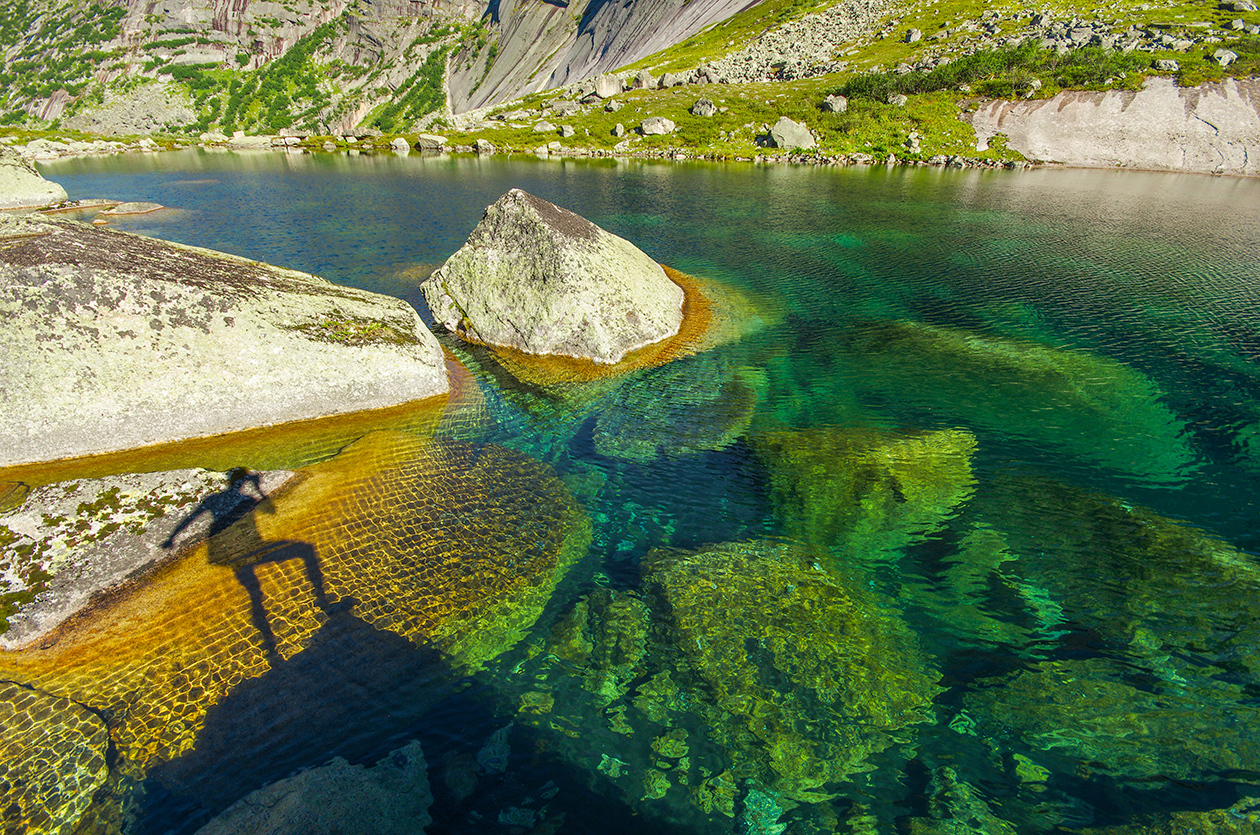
{"x": 447, "y": 544}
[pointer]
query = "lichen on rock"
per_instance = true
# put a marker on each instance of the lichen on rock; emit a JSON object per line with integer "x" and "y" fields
{"x": 817, "y": 669}
{"x": 543, "y": 280}
{"x": 117, "y": 341}
{"x": 22, "y": 187}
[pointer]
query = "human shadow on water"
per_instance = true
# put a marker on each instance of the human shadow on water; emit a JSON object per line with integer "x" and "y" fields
{"x": 234, "y": 542}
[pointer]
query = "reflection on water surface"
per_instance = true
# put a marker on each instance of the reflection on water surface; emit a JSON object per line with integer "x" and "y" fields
{"x": 953, "y": 529}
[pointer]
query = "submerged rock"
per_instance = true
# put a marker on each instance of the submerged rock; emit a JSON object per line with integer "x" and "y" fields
{"x": 817, "y": 671}
{"x": 1100, "y": 716}
{"x": 1168, "y": 591}
{"x": 116, "y": 341}
{"x": 22, "y": 187}
{"x": 454, "y": 547}
{"x": 866, "y": 492}
{"x": 1095, "y": 407}
{"x": 541, "y": 279}
{"x": 1243, "y": 818}
{"x": 688, "y": 406}
{"x": 390, "y": 798}
{"x": 52, "y": 760}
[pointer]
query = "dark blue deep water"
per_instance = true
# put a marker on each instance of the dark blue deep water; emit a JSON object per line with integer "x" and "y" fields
{"x": 958, "y": 531}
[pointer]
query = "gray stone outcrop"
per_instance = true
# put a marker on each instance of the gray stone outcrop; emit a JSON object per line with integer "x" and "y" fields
{"x": 541, "y": 279}
{"x": 115, "y": 341}
{"x": 74, "y": 539}
{"x": 788, "y": 134}
{"x": 390, "y": 798}
{"x": 22, "y": 187}
{"x": 657, "y": 126}
{"x": 1212, "y": 128}
{"x": 703, "y": 107}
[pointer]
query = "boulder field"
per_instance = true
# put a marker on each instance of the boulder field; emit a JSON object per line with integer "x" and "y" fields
{"x": 115, "y": 341}
{"x": 543, "y": 280}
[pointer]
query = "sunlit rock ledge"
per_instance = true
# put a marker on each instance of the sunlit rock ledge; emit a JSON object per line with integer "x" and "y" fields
{"x": 115, "y": 341}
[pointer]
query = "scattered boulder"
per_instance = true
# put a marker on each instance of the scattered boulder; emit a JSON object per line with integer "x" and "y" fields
{"x": 400, "y": 145}
{"x": 898, "y": 100}
{"x": 1239, "y": 5}
{"x": 541, "y": 279}
{"x": 430, "y": 142}
{"x": 484, "y": 146}
{"x": 607, "y": 86}
{"x": 670, "y": 79}
{"x": 703, "y": 107}
{"x": 544, "y": 127}
{"x": 835, "y": 104}
{"x": 914, "y": 35}
{"x": 788, "y": 134}
{"x": 1224, "y": 57}
{"x": 213, "y": 137}
{"x": 118, "y": 341}
{"x": 657, "y": 126}
{"x": 644, "y": 81}
{"x": 390, "y": 798}
{"x": 22, "y": 187}
{"x": 52, "y": 760}
{"x": 1167, "y": 65}
{"x": 612, "y": 106}
{"x": 566, "y": 131}
{"x": 619, "y": 130}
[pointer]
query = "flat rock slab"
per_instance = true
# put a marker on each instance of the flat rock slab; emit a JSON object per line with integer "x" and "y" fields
{"x": 1212, "y": 128}
{"x": 22, "y": 187}
{"x": 69, "y": 541}
{"x": 543, "y": 280}
{"x": 133, "y": 209}
{"x": 114, "y": 341}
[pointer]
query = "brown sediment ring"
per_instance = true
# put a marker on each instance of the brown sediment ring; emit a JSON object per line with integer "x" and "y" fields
{"x": 548, "y": 369}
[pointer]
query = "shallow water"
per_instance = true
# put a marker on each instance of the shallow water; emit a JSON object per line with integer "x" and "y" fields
{"x": 989, "y": 441}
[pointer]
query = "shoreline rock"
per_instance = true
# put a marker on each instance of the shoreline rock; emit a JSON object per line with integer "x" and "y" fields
{"x": 22, "y": 187}
{"x": 543, "y": 280}
{"x": 117, "y": 341}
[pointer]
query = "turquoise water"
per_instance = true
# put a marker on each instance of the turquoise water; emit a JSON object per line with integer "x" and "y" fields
{"x": 988, "y": 444}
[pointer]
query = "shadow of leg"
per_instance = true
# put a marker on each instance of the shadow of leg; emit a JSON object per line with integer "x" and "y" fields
{"x": 247, "y": 578}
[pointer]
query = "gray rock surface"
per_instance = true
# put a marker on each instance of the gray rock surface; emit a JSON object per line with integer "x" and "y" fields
{"x": 657, "y": 126}
{"x": 91, "y": 535}
{"x": 1213, "y": 128}
{"x": 22, "y": 187}
{"x": 115, "y": 341}
{"x": 835, "y": 104}
{"x": 788, "y": 134}
{"x": 539, "y": 278}
{"x": 390, "y": 798}
{"x": 146, "y": 108}
{"x": 134, "y": 208}
{"x": 703, "y": 107}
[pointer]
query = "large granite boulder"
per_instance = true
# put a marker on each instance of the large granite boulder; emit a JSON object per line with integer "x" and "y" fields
{"x": 390, "y": 798}
{"x": 543, "y": 280}
{"x": 22, "y": 187}
{"x": 115, "y": 341}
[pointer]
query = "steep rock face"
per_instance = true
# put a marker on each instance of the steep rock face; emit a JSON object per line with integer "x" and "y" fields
{"x": 1212, "y": 128}
{"x": 116, "y": 341}
{"x": 22, "y": 187}
{"x": 537, "y": 46}
{"x": 539, "y": 278}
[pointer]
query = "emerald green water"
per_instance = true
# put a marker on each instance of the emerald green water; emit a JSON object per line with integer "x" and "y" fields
{"x": 972, "y": 493}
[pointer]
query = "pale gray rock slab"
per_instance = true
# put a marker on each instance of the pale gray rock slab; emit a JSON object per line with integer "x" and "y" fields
{"x": 136, "y": 208}
{"x": 541, "y": 279}
{"x": 607, "y": 86}
{"x": 703, "y": 107}
{"x": 115, "y": 341}
{"x": 789, "y": 134}
{"x": 91, "y": 535}
{"x": 430, "y": 142}
{"x": 657, "y": 126}
{"x": 390, "y": 798}
{"x": 1212, "y": 128}
{"x": 484, "y": 146}
{"x": 22, "y": 187}
{"x": 835, "y": 104}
